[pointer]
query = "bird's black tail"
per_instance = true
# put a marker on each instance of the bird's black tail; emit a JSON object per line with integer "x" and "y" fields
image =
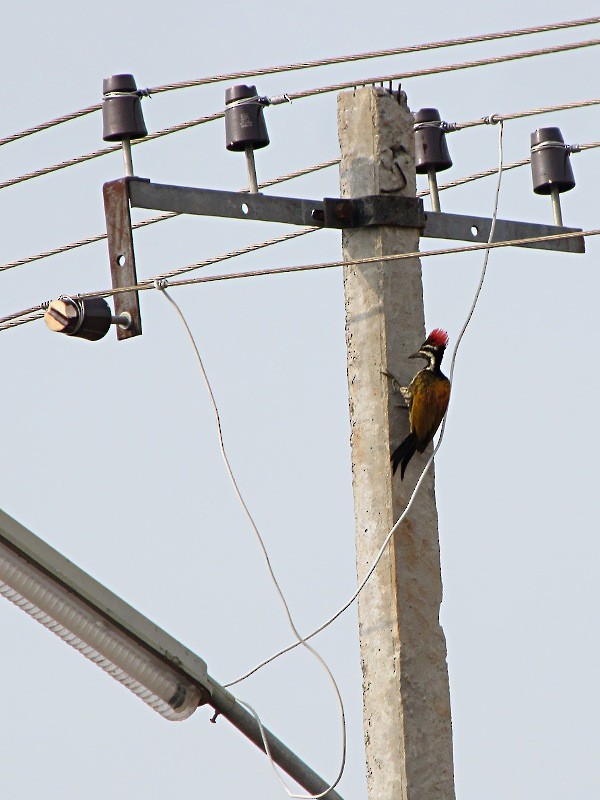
{"x": 403, "y": 454}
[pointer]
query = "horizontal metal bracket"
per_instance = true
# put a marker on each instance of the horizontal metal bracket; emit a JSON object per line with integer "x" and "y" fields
{"x": 332, "y": 212}
{"x": 216, "y": 203}
{"x": 477, "y": 229}
{"x": 371, "y": 210}
{"x": 343, "y": 213}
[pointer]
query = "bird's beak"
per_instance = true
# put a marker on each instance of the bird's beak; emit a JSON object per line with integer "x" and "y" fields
{"x": 417, "y": 355}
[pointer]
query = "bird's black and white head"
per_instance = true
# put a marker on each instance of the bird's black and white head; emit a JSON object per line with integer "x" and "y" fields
{"x": 433, "y": 348}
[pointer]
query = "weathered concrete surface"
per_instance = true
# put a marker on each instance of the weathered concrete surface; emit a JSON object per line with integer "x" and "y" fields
{"x": 408, "y": 728}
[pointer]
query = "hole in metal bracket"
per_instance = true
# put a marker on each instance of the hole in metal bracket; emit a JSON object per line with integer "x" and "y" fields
{"x": 245, "y": 209}
{"x": 474, "y": 230}
{"x": 121, "y": 260}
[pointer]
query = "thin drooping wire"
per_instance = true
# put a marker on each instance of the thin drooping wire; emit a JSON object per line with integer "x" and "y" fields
{"x": 160, "y": 285}
{"x": 273, "y": 765}
{"x": 487, "y": 37}
{"x": 402, "y": 517}
{"x": 398, "y": 76}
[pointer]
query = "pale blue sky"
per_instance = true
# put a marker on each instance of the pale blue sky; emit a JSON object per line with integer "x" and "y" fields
{"x": 110, "y": 453}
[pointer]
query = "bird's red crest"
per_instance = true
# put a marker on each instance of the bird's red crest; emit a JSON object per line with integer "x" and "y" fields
{"x": 437, "y": 338}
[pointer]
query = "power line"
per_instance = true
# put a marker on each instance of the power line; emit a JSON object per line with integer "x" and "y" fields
{"x": 486, "y": 173}
{"x": 312, "y": 93}
{"x": 482, "y": 62}
{"x": 310, "y": 64}
{"x": 21, "y": 321}
{"x": 234, "y": 253}
{"x": 5, "y": 322}
{"x": 149, "y": 282}
{"x": 105, "y": 150}
{"x": 418, "y": 48}
{"x": 160, "y": 218}
{"x": 181, "y": 270}
{"x": 43, "y": 126}
{"x": 40, "y": 307}
{"x": 333, "y": 264}
{"x": 494, "y": 118}
{"x": 323, "y": 165}
{"x": 252, "y": 248}
{"x": 65, "y": 248}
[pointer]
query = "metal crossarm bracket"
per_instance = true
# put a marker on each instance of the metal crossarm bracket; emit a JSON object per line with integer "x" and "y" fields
{"x": 375, "y": 209}
{"x": 121, "y": 254}
{"x": 440, "y": 225}
{"x": 332, "y": 212}
{"x": 360, "y": 212}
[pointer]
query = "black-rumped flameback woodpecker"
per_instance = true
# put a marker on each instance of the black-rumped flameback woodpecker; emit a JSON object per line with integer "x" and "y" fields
{"x": 427, "y": 397}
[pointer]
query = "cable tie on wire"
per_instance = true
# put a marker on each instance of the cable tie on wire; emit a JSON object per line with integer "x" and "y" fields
{"x": 492, "y": 119}
{"x": 261, "y": 99}
{"x": 552, "y": 145}
{"x": 446, "y": 127}
{"x": 161, "y": 284}
{"x": 278, "y": 99}
{"x": 144, "y": 93}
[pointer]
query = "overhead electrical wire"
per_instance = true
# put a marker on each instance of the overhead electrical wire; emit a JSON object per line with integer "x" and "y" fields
{"x": 162, "y": 282}
{"x": 301, "y": 65}
{"x": 148, "y": 283}
{"x": 324, "y": 165}
{"x": 398, "y": 76}
{"x": 276, "y": 240}
{"x": 417, "y": 48}
{"x": 235, "y": 253}
{"x": 106, "y": 150}
{"x": 7, "y": 321}
{"x": 65, "y": 248}
{"x": 494, "y": 118}
{"x": 39, "y": 307}
{"x": 15, "y": 322}
{"x": 160, "y": 218}
{"x": 420, "y": 73}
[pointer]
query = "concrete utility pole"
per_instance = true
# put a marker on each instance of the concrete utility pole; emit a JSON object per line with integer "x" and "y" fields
{"x": 408, "y": 729}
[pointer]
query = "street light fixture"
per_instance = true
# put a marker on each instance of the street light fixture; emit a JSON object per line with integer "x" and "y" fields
{"x": 105, "y": 629}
